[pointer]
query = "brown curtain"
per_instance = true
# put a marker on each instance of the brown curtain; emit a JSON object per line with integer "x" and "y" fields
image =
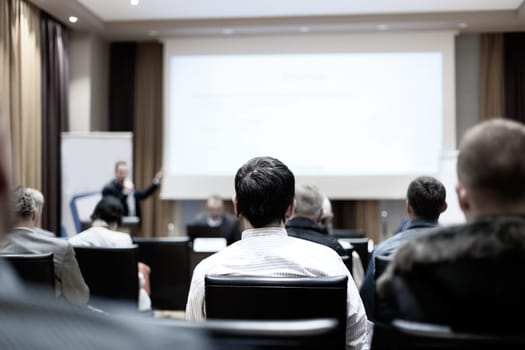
{"x": 55, "y": 81}
{"x": 5, "y": 64}
{"x": 515, "y": 76}
{"x": 148, "y": 135}
{"x": 492, "y": 92}
{"x": 21, "y": 89}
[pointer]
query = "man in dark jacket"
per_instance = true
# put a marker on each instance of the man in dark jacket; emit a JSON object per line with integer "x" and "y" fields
{"x": 425, "y": 201}
{"x": 305, "y": 221}
{"x": 123, "y": 189}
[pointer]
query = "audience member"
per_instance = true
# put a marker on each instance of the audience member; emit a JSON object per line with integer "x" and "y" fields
{"x": 38, "y": 197}
{"x": 123, "y": 189}
{"x": 469, "y": 276}
{"x": 106, "y": 218}
{"x": 22, "y": 239}
{"x": 425, "y": 201}
{"x": 215, "y": 216}
{"x": 304, "y": 223}
{"x": 264, "y": 200}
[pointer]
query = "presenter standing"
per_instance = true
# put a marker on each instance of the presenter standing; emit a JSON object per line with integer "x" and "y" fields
{"x": 123, "y": 189}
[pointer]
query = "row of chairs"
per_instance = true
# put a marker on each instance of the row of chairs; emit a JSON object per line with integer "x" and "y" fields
{"x": 299, "y": 299}
{"x": 111, "y": 272}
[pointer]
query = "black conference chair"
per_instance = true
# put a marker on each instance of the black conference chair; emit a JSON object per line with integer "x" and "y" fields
{"x": 34, "y": 269}
{"x": 347, "y": 233}
{"x": 168, "y": 259}
{"x": 361, "y": 247}
{"x": 255, "y": 298}
{"x": 311, "y": 334}
{"x": 381, "y": 263}
{"x": 110, "y": 273}
{"x": 408, "y": 335}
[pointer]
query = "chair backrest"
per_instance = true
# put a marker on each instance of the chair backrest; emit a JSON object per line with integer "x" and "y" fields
{"x": 381, "y": 263}
{"x": 110, "y": 273}
{"x": 169, "y": 261}
{"x": 401, "y": 334}
{"x": 310, "y": 334}
{"x": 34, "y": 269}
{"x": 347, "y": 233}
{"x": 361, "y": 246}
{"x": 255, "y": 298}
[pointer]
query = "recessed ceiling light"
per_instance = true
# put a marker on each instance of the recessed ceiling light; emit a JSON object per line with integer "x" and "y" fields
{"x": 382, "y": 27}
{"x": 462, "y": 25}
{"x": 153, "y": 32}
{"x": 73, "y": 19}
{"x": 304, "y": 29}
{"x": 227, "y": 31}
{"x": 134, "y": 2}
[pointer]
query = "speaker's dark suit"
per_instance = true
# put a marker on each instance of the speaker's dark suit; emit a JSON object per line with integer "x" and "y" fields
{"x": 115, "y": 189}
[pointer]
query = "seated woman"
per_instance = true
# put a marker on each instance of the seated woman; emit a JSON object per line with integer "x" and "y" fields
{"x": 106, "y": 218}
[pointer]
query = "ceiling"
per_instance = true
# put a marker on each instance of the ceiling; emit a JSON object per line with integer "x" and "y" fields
{"x": 118, "y": 19}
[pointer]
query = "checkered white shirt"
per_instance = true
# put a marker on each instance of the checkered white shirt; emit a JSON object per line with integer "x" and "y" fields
{"x": 270, "y": 252}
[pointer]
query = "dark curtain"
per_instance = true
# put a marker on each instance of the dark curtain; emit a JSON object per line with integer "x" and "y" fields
{"x": 515, "y": 76}
{"x": 148, "y": 135}
{"x": 122, "y": 58}
{"x": 55, "y": 81}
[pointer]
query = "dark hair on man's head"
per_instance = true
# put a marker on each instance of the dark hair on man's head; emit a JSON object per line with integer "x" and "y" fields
{"x": 427, "y": 197}
{"x": 491, "y": 161}
{"x": 265, "y": 188}
{"x": 108, "y": 209}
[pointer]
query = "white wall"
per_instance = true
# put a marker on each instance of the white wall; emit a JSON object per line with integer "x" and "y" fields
{"x": 88, "y": 82}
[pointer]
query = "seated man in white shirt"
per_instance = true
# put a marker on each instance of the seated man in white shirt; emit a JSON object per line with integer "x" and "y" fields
{"x": 263, "y": 201}
{"x": 107, "y": 217}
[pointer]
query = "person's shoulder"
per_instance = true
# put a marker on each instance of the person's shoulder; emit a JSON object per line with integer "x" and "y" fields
{"x": 212, "y": 261}
{"x": 110, "y": 186}
{"x": 312, "y": 247}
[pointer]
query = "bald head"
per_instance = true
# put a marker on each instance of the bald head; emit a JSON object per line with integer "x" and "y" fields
{"x": 491, "y": 169}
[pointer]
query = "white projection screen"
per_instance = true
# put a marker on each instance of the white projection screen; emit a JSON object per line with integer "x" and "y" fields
{"x": 358, "y": 115}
